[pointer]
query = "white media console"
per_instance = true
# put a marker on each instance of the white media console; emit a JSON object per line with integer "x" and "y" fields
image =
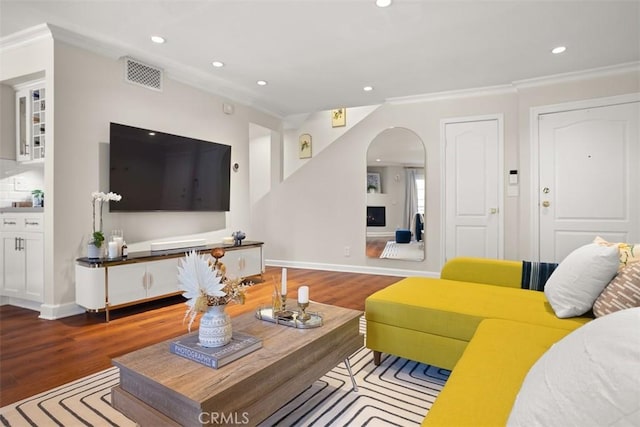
{"x": 104, "y": 284}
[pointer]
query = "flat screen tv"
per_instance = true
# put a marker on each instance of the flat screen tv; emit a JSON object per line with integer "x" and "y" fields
{"x": 156, "y": 171}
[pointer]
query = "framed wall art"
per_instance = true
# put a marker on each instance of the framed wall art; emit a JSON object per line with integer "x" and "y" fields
{"x": 339, "y": 117}
{"x": 304, "y": 146}
{"x": 373, "y": 182}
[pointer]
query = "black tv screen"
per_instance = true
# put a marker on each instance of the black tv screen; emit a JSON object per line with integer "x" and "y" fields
{"x": 156, "y": 171}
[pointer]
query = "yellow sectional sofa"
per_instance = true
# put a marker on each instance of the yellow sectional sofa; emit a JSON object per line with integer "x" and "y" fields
{"x": 475, "y": 318}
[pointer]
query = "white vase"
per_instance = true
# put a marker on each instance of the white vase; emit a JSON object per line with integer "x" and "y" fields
{"x": 215, "y": 327}
{"x": 93, "y": 251}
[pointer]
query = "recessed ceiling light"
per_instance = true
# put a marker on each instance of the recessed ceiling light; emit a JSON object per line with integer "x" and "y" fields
{"x": 378, "y": 160}
{"x": 261, "y": 82}
{"x": 152, "y": 133}
{"x": 157, "y": 39}
{"x": 383, "y": 3}
{"x": 217, "y": 64}
{"x": 559, "y": 49}
{"x": 367, "y": 88}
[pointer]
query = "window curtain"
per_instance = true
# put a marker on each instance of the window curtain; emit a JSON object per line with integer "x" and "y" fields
{"x": 411, "y": 196}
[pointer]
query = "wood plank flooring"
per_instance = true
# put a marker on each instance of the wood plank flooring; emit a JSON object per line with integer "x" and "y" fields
{"x": 36, "y": 354}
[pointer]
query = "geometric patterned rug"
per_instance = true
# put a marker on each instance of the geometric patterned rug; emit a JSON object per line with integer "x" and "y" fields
{"x": 399, "y": 392}
{"x": 413, "y": 251}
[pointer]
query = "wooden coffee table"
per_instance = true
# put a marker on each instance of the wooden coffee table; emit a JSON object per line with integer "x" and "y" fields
{"x": 159, "y": 388}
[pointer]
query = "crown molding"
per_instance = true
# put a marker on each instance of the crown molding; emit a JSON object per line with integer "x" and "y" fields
{"x": 26, "y": 36}
{"x": 611, "y": 70}
{"x": 453, "y": 94}
{"x": 513, "y": 87}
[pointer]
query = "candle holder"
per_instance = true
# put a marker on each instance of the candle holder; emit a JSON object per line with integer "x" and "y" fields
{"x": 303, "y": 316}
{"x": 283, "y": 303}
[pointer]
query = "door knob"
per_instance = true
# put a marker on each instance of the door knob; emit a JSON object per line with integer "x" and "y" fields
{"x": 493, "y": 211}
{"x": 546, "y": 203}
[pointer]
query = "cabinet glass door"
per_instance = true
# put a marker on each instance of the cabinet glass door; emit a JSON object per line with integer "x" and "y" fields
{"x": 21, "y": 127}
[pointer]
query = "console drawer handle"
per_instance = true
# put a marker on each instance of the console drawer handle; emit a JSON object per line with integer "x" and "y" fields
{"x": 5, "y": 222}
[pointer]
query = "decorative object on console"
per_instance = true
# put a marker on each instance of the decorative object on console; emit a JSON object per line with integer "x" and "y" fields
{"x": 94, "y": 248}
{"x": 208, "y": 292}
{"x": 238, "y": 237}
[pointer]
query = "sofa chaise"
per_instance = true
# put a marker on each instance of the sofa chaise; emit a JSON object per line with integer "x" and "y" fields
{"x": 477, "y": 321}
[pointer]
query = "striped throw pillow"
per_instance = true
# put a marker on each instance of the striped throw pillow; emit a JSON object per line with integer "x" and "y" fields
{"x": 622, "y": 292}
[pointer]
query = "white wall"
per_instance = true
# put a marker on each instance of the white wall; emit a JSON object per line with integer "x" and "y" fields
{"x": 318, "y": 125}
{"x": 32, "y": 175}
{"x": 91, "y": 94}
{"x": 318, "y": 211}
{"x": 259, "y": 162}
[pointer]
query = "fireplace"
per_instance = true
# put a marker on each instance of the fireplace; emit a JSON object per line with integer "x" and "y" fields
{"x": 376, "y": 216}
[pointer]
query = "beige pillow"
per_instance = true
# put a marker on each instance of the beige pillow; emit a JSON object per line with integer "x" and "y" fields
{"x": 629, "y": 253}
{"x": 576, "y": 283}
{"x": 622, "y": 292}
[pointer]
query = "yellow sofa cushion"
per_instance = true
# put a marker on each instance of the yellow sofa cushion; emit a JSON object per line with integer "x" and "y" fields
{"x": 484, "y": 384}
{"x": 454, "y": 309}
{"x": 488, "y": 271}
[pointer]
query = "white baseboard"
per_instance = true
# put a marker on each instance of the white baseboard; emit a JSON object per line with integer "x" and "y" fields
{"x": 382, "y": 271}
{"x": 58, "y": 311}
{"x": 22, "y": 303}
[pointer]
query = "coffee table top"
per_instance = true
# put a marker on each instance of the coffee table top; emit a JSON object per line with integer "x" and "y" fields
{"x": 288, "y": 356}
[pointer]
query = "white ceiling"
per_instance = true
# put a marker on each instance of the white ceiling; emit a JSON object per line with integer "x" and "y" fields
{"x": 319, "y": 54}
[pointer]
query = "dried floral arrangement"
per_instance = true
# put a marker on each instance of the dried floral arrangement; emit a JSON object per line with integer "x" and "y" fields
{"x": 205, "y": 285}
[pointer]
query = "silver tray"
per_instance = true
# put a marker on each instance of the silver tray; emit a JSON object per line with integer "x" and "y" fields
{"x": 291, "y": 319}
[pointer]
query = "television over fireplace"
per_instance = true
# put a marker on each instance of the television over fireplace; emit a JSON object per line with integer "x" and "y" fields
{"x": 157, "y": 171}
{"x": 376, "y": 216}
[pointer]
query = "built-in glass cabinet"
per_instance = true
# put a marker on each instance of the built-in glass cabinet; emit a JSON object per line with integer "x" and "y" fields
{"x": 30, "y": 121}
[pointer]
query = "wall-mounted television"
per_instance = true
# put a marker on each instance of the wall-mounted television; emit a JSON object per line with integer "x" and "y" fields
{"x": 157, "y": 171}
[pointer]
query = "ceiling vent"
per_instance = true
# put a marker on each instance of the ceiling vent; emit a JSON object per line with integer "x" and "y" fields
{"x": 140, "y": 74}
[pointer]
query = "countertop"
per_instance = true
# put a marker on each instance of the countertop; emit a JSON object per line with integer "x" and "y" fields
{"x": 25, "y": 210}
{"x": 144, "y": 256}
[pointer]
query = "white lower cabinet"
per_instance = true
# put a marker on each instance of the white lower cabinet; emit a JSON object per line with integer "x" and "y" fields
{"x": 22, "y": 258}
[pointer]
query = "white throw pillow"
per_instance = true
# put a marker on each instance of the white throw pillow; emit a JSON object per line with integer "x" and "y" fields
{"x": 589, "y": 378}
{"x": 578, "y": 280}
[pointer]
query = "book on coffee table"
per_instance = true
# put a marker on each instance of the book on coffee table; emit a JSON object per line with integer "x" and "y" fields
{"x": 240, "y": 345}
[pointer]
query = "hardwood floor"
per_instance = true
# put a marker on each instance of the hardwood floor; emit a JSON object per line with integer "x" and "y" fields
{"x": 36, "y": 354}
{"x": 375, "y": 246}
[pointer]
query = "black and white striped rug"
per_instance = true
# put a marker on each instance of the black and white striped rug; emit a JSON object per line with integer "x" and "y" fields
{"x": 398, "y": 392}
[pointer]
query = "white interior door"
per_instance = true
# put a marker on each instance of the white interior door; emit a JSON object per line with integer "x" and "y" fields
{"x": 589, "y": 182}
{"x": 473, "y": 191}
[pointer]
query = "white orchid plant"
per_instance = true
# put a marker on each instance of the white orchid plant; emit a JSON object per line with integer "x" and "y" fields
{"x": 99, "y": 198}
{"x": 205, "y": 286}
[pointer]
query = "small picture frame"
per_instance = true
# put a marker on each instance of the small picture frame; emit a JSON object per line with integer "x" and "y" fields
{"x": 338, "y": 117}
{"x": 373, "y": 182}
{"x": 304, "y": 146}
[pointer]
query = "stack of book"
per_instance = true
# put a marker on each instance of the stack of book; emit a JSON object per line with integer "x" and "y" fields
{"x": 240, "y": 345}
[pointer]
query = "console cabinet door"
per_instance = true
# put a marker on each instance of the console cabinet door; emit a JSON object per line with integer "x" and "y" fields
{"x": 127, "y": 283}
{"x": 243, "y": 262}
{"x": 162, "y": 277}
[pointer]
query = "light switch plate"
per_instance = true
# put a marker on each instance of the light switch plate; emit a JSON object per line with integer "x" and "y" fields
{"x": 20, "y": 184}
